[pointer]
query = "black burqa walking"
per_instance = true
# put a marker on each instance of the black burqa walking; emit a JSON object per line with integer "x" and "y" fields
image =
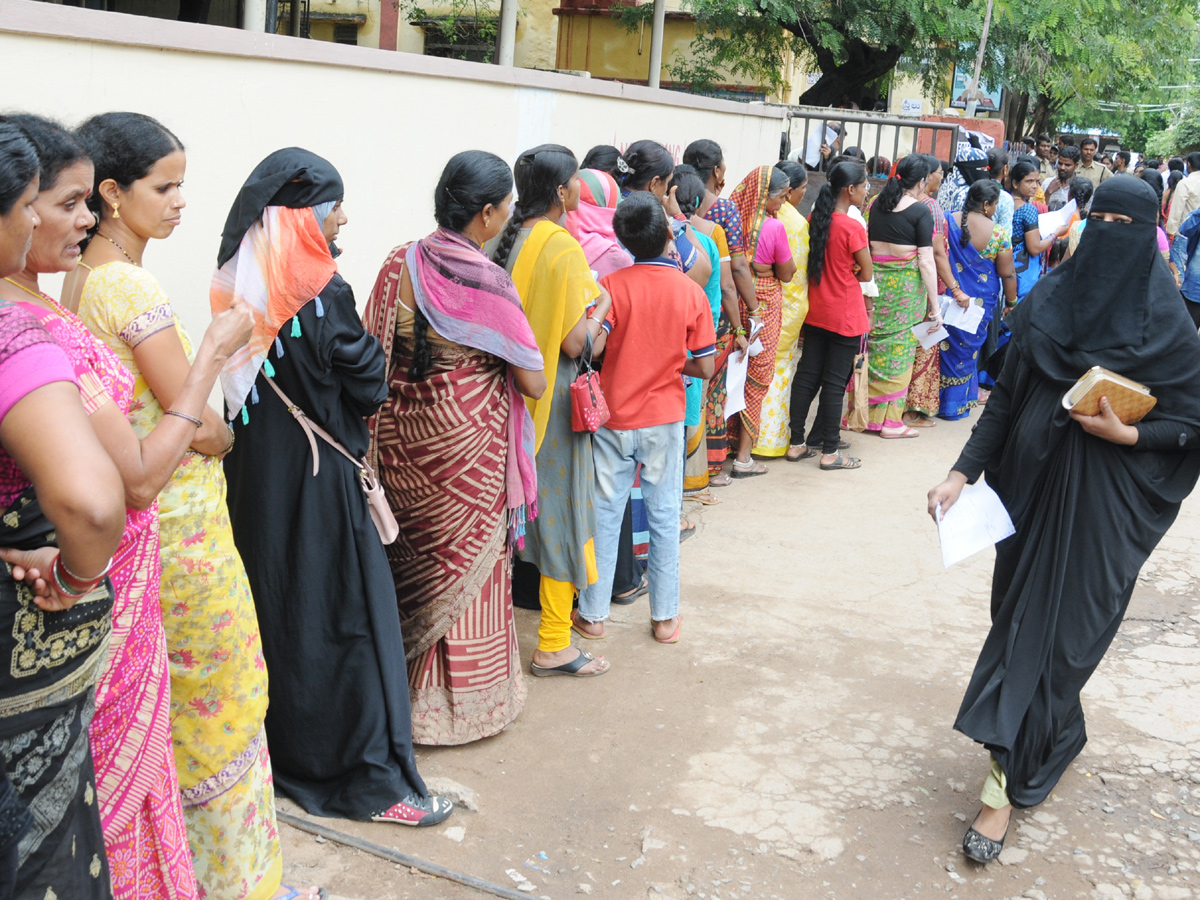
{"x": 339, "y": 724}
{"x": 1088, "y": 512}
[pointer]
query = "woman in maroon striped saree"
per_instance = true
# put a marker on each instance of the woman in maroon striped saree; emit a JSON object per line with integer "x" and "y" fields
{"x": 454, "y": 447}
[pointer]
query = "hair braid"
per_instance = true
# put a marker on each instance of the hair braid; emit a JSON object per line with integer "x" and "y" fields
{"x": 508, "y": 236}
{"x": 539, "y": 173}
{"x": 420, "y": 357}
{"x": 840, "y": 177}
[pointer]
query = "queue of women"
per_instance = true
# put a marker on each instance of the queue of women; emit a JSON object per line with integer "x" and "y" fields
{"x": 163, "y": 560}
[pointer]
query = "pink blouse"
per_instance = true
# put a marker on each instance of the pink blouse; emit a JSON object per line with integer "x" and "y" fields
{"x": 29, "y": 359}
{"x": 773, "y": 246}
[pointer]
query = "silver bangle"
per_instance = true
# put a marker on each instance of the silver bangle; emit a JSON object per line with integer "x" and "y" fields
{"x": 104, "y": 572}
{"x": 183, "y": 415}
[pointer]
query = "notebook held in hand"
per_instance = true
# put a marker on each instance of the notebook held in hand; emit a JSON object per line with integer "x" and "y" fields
{"x": 1128, "y": 399}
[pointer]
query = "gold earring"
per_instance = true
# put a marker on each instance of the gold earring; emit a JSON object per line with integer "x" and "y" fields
{"x": 116, "y": 210}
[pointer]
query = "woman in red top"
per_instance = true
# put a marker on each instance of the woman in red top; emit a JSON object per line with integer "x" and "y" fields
{"x": 839, "y": 258}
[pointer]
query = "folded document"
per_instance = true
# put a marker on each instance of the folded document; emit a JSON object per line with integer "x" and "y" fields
{"x": 976, "y": 521}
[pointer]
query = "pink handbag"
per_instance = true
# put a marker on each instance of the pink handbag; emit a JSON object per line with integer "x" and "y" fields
{"x": 589, "y": 409}
{"x": 381, "y": 513}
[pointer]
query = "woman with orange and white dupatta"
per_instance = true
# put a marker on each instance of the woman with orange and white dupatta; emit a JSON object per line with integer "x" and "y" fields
{"x": 455, "y": 449}
{"x": 338, "y": 721}
{"x": 758, "y": 198}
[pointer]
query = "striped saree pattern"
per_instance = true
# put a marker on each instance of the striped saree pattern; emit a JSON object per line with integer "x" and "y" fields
{"x": 442, "y": 450}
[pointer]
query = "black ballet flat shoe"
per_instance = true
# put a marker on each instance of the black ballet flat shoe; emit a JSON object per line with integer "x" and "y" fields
{"x": 982, "y": 849}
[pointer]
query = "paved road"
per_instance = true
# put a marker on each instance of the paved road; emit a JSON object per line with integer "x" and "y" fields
{"x": 797, "y": 743}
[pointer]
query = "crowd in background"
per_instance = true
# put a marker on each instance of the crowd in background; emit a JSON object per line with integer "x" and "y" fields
{"x": 141, "y": 740}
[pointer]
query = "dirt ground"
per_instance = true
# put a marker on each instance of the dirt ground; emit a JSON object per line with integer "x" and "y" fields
{"x": 797, "y": 743}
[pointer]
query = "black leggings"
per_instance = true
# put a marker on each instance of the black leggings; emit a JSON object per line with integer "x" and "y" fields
{"x": 628, "y": 575}
{"x": 825, "y": 366}
{"x": 1193, "y": 311}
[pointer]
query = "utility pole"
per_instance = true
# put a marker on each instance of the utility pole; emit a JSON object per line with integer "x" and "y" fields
{"x": 254, "y": 15}
{"x": 656, "y": 42}
{"x": 507, "y": 36}
{"x": 972, "y": 103}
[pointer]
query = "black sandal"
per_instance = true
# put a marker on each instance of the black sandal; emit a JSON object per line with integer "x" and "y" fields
{"x": 982, "y": 849}
{"x": 808, "y": 453}
{"x": 751, "y": 470}
{"x": 571, "y": 668}
{"x": 843, "y": 462}
{"x": 626, "y": 599}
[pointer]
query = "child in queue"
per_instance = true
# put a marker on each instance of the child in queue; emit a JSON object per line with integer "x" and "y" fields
{"x": 658, "y": 314}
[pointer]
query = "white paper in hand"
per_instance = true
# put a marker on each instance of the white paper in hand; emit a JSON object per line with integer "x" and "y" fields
{"x": 924, "y": 338}
{"x": 1050, "y": 222}
{"x": 976, "y": 521}
{"x": 963, "y": 319}
{"x": 736, "y": 370}
{"x": 735, "y": 383}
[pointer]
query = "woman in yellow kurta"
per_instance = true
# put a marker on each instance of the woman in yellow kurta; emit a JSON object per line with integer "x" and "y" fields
{"x": 218, "y": 676}
{"x": 774, "y": 430}
{"x": 556, "y": 287}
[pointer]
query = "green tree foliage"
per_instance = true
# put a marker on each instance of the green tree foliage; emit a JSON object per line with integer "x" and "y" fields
{"x": 1161, "y": 143}
{"x": 1187, "y": 134}
{"x": 1064, "y": 55}
{"x": 1069, "y": 54}
{"x": 852, "y": 42}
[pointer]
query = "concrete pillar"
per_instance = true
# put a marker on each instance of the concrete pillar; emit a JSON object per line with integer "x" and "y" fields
{"x": 656, "y": 42}
{"x": 506, "y": 44}
{"x": 254, "y": 15}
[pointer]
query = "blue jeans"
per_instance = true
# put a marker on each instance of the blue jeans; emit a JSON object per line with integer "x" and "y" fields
{"x": 659, "y": 449}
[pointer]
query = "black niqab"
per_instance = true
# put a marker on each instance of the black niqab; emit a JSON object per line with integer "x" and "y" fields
{"x": 291, "y": 177}
{"x": 1114, "y": 304}
{"x": 1088, "y": 512}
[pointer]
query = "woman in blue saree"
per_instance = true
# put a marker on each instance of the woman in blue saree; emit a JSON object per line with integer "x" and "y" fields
{"x": 980, "y": 263}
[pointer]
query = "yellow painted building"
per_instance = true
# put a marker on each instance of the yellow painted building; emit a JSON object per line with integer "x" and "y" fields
{"x": 592, "y": 39}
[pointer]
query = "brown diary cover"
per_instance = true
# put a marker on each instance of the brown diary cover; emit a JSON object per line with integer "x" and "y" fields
{"x": 1128, "y": 399}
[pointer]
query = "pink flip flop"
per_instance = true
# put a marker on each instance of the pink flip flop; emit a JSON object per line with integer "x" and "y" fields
{"x": 674, "y": 638}
{"x": 586, "y": 635}
{"x": 908, "y": 432}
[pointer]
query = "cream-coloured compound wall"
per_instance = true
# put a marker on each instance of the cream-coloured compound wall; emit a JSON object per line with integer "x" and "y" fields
{"x": 387, "y": 120}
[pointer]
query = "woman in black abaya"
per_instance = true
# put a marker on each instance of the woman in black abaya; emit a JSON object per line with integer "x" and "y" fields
{"x": 1090, "y": 497}
{"x": 338, "y": 724}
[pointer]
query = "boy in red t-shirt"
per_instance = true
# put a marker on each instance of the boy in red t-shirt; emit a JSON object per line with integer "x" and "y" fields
{"x": 658, "y": 314}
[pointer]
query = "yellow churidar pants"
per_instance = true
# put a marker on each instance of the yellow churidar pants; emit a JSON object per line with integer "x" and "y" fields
{"x": 557, "y": 598}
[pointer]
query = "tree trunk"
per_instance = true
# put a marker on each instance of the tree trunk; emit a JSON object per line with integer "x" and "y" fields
{"x": 1016, "y": 110}
{"x": 831, "y": 87}
{"x": 1044, "y": 111}
{"x": 863, "y": 65}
